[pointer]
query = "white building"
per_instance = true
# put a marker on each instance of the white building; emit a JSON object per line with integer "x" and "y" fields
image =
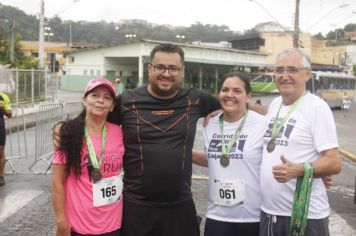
{"x": 204, "y": 65}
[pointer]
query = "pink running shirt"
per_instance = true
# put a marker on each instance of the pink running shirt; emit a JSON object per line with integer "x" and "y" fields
{"x": 81, "y": 214}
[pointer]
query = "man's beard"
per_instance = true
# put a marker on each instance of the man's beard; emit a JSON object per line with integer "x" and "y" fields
{"x": 164, "y": 93}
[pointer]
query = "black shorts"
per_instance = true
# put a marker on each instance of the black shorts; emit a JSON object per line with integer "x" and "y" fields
{"x": 221, "y": 228}
{"x": 176, "y": 220}
{"x": 2, "y": 136}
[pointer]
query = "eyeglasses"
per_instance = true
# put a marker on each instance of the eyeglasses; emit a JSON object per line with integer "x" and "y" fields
{"x": 290, "y": 70}
{"x": 160, "y": 69}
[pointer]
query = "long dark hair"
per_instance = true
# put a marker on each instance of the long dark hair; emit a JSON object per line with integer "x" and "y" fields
{"x": 71, "y": 143}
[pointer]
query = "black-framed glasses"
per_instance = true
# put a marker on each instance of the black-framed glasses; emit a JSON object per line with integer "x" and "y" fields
{"x": 160, "y": 69}
{"x": 290, "y": 70}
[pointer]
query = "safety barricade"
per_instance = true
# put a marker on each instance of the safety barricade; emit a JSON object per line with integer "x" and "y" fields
{"x": 31, "y": 137}
{"x": 72, "y": 109}
{"x": 16, "y": 137}
{"x": 47, "y": 116}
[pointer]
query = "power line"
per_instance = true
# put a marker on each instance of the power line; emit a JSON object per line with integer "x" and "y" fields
{"x": 66, "y": 7}
{"x": 327, "y": 14}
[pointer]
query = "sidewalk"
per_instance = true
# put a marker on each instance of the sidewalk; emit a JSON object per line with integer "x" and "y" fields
{"x": 25, "y": 206}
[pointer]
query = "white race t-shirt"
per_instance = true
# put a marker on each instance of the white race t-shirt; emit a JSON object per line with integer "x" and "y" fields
{"x": 309, "y": 130}
{"x": 245, "y": 161}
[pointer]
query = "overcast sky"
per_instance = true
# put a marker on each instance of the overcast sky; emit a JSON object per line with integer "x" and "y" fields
{"x": 238, "y": 15}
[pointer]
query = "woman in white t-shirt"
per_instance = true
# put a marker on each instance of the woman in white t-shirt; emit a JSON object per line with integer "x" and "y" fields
{"x": 233, "y": 152}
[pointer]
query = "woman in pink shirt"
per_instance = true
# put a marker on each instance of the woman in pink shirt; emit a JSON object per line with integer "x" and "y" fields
{"x": 87, "y": 182}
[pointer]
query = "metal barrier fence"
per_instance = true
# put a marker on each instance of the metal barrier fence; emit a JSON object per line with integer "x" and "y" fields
{"x": 39, "y": 152}
{"x": 72, "y": 109}
{"x": 46, "y": 116}
{"x": 16, "y": 146}
{"x": 28, "y": 86}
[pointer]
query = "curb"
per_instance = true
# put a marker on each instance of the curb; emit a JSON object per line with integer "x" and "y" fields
{"x": 347, "y": 155}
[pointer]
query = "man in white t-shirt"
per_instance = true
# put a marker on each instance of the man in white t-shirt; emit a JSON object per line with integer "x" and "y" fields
{"x": 345, "y": 102}
{"x": 300, "y": 140}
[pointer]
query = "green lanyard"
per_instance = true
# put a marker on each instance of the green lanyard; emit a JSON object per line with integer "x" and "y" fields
{"x": 277, "y": 127}
{"x": 92, "y": 155}
{"x": 301, "y": 202}
{"x": 226, "y": 148}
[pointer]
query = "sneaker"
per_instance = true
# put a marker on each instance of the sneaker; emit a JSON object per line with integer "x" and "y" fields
{"x": 2, "y": 181}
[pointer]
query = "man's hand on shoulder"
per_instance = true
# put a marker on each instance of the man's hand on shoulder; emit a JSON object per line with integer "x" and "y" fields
{"x": 56, "y": 135}
{"x": 209, "y": 116}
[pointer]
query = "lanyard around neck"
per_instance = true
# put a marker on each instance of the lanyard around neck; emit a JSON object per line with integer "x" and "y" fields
{"x": 91, "y": 151}
{"x": 226, "y": 148}
{"x": 277, "y": 127}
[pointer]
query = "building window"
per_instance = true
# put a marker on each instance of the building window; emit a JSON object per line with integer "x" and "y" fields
{"x": 98, "y": 72}
{"x": 72, "y": 59}
{"x": 85, "y": 72}
{"x": 91, "y": 72}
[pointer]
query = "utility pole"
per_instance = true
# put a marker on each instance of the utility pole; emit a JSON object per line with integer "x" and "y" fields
{"x": 70, "y": 34}
{"x": 296, "y": 25}
{"x": 12, "y": 41}
{"x": 41, "y": 37}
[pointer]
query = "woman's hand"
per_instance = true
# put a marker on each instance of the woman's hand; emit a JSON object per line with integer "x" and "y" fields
{"x": 63, "y": 228}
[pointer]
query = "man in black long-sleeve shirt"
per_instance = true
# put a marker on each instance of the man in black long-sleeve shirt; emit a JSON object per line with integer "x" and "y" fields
{"x": 159, "y": 124}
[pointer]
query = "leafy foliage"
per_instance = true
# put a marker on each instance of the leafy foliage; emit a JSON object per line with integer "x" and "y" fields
{"x": 109, "y": 32}
{"x": 350, "y": 27}
{"x": 20, "y": 60}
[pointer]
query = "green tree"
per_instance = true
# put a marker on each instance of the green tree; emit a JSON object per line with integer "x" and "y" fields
{"x": 319, "y": 36}
{"x": 20, "y": 60}
{"x": 354, "y": 69}
{"x": 350, "y": 27}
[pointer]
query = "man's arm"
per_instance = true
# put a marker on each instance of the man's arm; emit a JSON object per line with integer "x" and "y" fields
{"x": 208, "y": 103}
{"x": 257, "y": 108}
{"x": 328, "y": 164}
{"x": 7, "y": 113}
{"x": 56, "y": 136}
{"x": 199, "y": 158}
{"x": 115, "y": 115}
{"x": 6, "y": 109}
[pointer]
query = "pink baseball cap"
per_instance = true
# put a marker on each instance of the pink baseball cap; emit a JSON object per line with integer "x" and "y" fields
{"x": 92, "y": 84}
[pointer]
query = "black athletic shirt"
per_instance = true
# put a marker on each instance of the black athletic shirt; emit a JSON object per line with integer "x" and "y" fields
{"x": 158, "y": 137}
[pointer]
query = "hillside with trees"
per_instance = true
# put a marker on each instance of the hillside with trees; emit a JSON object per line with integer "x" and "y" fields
{"x": 83, "y": 32}
{"x": 113, "y": 32}
{"x": 109, "y": 32}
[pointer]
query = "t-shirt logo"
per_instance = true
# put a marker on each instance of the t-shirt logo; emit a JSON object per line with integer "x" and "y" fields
{"x": 215, "y": 145}
{"x": 285, "y": 131}
{"x": 163, "y": 112}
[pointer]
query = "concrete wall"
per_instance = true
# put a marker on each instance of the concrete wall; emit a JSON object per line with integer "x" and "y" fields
{"x": 75, "y": 82}
{"x": 328, "y": 55}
